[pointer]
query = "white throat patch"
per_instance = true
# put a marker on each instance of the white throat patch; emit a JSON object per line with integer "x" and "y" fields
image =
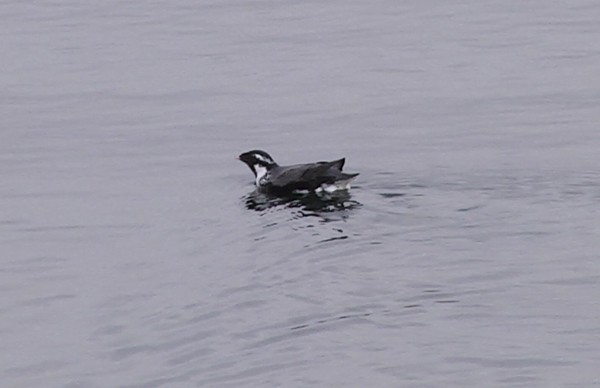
{"x": 261, "y": 172}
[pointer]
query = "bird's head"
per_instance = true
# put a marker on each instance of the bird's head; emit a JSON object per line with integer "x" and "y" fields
{"x": 258, "y": 161}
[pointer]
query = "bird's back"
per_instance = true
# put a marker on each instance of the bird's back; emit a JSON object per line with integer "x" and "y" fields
{"x": 309, "y": 176}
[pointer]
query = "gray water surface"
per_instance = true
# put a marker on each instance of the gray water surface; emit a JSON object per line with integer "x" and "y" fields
{"x": 132, "y": 249}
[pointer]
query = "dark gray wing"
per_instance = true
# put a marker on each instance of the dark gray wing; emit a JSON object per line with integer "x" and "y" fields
{"x": 339, "y": 164}
{"x": 293, "y": 175}
{"x": 307, "y": 176}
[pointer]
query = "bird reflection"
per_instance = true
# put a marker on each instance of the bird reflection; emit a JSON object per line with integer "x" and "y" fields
{"x": 308, "y": 204}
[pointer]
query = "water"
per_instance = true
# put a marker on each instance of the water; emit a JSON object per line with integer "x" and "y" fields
{"x": 134, "y": 253}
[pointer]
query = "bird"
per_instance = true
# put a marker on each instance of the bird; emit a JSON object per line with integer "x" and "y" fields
{"x": 319, "y": 177}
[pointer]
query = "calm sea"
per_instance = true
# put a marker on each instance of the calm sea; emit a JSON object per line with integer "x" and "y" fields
{"x": 134, "y": 253}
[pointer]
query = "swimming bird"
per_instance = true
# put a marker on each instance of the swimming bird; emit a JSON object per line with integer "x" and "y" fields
{"x": 316, "y": 177}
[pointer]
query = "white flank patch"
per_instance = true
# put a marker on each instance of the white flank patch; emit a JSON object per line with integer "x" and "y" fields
{"x": 261, "y": 171}
{"x": 301, "y": 191}
{"x": 339, "y": 185}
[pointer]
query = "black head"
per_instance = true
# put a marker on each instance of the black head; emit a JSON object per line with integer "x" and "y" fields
{"x": 257, "y": 158}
